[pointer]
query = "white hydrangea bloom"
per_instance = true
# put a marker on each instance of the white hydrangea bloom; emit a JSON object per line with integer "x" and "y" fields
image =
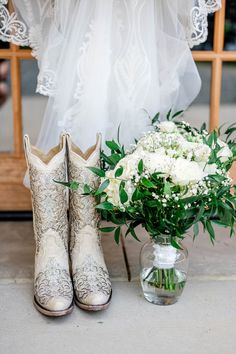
{"x": 167, "y": 127}
{"x": 211, "y": 169}
{"x": 113, "y": 189}
{"x": 185, "y": 172}
{"x": 130, "y": 172}
{"x": 155, "y": 162}
{"x": 201, "y": 152}
{"x": 225, "y": 153}
{"x": 130, "y": 165}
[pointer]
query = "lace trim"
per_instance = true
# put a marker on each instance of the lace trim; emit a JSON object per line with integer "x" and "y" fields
{"x": 91, "y": 278}
{"x": 35, "y": 40}
{"x": 49, "y": 204}
{"x": 82, "y": 208}
{"x": 11, "y": 29}
{"x": 53, "y": 282}
{"x": 46, "y": 83}
{"x": 198, "y": 27}
{"x": 213, "y": 5}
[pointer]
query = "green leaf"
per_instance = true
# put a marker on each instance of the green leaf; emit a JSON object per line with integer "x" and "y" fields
{"x": 169, "y": 114}
{"x": 105, "y": 206}
{"x": 131, "y": 210}
{"x": 167, "y": 188}
{"x": 226, "y": 206}
{"x": 115, "y": 158}
{"x": 118, "y": 133}
{"x": 140, "y": 167}
{"x": 137, "y": 195}
{"x": 190, "y": 200}
{"x": 133, "y": 233}
{"x": 106, "y": 159}
{"x": 196, "y": 230}
{"x": 155, "y": 119}
{"x": 203, "y": 127}
{"x": 220, "y": 223}
{"x": 87, "y": 189}
{"x": 123, "y": 195}
{"x": 217, "y": 178}
{"x": 151, "y": 203}
{"x": 102, "y": 187}
{"x": 119, "y": 171}
{"x": 106, "y": 229}
{"x": 147, "y": 183}
{"x": 177, "y": 114}
{"x": 113, "y": 146}
{"x": 97, "y": 171}
{"x": 65, "y": 184}
{"x": 72, "y": 185}
{"x": 117, "y": 235}
{"x": 117, "y": 220}
{"x": 212, "y": 138}
{"x": 223, "y": 191}
{"x": 210, "y": 230}
{"x": 175, "y": 244}
{"x": 230, "y": 131}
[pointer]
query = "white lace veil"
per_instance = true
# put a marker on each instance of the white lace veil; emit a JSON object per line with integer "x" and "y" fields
{"x": 108, "y": 62}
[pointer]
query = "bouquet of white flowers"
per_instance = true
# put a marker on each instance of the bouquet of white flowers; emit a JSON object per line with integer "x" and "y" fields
{"x": 173, "y": 178}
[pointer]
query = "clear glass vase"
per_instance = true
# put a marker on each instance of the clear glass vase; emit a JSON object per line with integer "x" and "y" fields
{"x": 163, "y": 271}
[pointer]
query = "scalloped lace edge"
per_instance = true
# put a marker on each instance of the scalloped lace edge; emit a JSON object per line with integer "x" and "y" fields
{"x": 12, "y": 29}
{"x": 198, "y": 27}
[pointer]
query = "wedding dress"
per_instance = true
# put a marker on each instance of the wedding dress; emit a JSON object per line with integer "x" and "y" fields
{"x": 109, "y": 63}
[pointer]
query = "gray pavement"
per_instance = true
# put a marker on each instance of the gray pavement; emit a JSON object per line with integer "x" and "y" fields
{"x": 202, "y": 322}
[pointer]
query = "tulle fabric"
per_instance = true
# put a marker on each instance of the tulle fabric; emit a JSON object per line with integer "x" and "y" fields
{"x": 110, "y": 63}
{"x": 125, "y": 61}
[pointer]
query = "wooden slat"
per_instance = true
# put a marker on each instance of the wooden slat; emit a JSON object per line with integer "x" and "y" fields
{"x": 13, "y": 195}
{"x": 12, "y": 170}
{"x": 216, "y": 80}
{"x": 219, "y": 29}
{"x": 215, "y": 95}
{"x": 16, "y": 103}
{"x": 209, "y": 56}
{"x": 21, "y": 54}
{"x": 14, "y": 198}
{"x": 198, "y": 55}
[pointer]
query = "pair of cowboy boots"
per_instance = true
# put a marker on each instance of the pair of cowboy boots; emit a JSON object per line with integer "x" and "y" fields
{"x": 69, "y": 262}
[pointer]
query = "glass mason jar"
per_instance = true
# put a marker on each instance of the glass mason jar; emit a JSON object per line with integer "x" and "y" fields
{"x": 163, "y": 271}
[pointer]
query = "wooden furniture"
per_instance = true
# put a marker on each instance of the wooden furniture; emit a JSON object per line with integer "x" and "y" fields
{"x": 13, "y": 195}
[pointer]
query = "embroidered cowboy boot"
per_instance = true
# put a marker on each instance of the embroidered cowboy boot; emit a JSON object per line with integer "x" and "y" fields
{"x": 90, "y": 276}
{"x": 53, "y": 291}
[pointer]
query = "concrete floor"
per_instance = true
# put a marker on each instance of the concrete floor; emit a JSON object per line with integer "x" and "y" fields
{"x": 202, "y": 322}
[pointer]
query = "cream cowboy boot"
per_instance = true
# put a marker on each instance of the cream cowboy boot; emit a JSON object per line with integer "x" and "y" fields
{"x": 53, "y": 291}
{"x": 90, "y": 276}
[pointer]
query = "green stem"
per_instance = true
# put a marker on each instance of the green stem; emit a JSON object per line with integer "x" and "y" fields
{"x": 151, "y": 271}
{"x": 162, "y": 278}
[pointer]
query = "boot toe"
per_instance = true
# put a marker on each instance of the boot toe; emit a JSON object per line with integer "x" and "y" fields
{"x": 95, "y": 299}
{"x": 58, "y": 304}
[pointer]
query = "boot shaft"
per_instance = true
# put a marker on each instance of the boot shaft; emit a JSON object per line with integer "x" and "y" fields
{"x": 49, "y": 199}
{"x": 82, "y": 208}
